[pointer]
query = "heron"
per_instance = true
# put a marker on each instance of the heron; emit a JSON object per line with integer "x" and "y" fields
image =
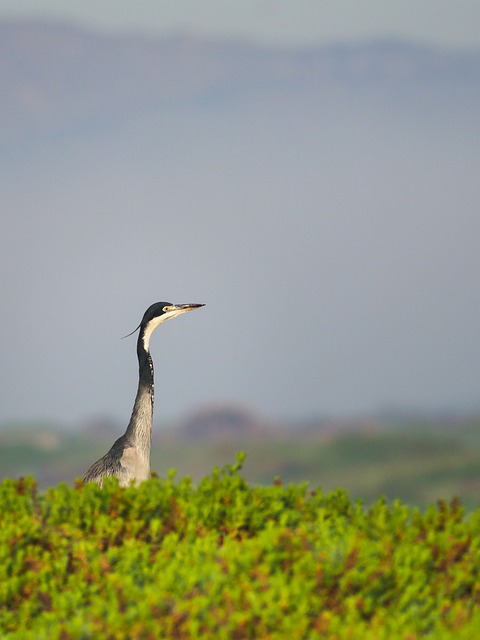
{"x": 129, "y": 457}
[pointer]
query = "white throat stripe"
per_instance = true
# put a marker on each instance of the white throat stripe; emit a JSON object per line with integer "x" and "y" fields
{"x": 156, "y": 322}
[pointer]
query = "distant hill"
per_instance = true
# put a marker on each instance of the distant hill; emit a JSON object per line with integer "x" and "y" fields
{"x": 418, "y": 460}
{"x": 56, "y": 76}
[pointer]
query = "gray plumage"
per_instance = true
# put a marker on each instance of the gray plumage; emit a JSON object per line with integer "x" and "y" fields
{"x": 129, "y": 457}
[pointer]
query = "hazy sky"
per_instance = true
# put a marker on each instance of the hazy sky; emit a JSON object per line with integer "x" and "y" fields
{"x": 336, "y": 247}
{"x": 448, "y": 22}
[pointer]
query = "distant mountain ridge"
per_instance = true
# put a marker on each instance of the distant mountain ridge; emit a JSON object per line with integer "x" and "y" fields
{"x": 56, "y": 75}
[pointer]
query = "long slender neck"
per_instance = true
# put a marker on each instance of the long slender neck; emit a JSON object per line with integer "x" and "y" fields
{"x": 139, "y": 428}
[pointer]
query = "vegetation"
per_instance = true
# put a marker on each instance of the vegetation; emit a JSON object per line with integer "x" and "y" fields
{"x": 228, "y": 560}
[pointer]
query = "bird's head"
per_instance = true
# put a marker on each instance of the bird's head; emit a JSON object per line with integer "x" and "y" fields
{"x": 158, "y": 313}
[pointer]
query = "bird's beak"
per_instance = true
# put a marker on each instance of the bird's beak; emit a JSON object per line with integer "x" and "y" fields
{"x": 181, "y": 308}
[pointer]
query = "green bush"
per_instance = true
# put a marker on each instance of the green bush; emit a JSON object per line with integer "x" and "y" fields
{"x": 228, "y": 560}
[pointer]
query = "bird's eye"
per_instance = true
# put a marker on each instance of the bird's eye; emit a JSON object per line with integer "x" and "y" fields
{"x": 165, "y": 308}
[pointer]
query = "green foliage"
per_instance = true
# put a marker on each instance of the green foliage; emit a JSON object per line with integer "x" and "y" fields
{"x": 228, "y": 560}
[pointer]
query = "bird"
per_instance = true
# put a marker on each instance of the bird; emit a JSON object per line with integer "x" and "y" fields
{"x": 129, "y": 457}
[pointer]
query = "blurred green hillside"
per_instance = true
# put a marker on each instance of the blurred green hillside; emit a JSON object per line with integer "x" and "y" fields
{"x": 418, "y": 462}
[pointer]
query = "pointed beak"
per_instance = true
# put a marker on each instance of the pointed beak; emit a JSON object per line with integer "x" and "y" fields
{"x": 181, "y": 308}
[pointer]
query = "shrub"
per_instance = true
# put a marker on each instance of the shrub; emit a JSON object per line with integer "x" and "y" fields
{"x": 228, "y": 560}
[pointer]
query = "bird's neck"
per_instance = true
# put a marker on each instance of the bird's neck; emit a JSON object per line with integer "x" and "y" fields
{"x": 139, "y": 428}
